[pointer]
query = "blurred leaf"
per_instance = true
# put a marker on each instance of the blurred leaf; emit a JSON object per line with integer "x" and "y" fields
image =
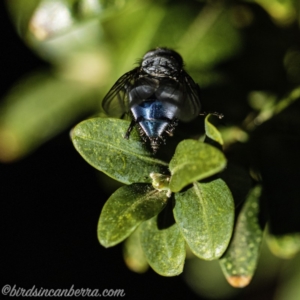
{"x": 240, "y": 260}
{"x": 261, "y": 100}
{"x": 284, "y": 246}
{"x": 54, "y": 16}
{"x": 211, "y": 37}
{"x": 56, "y": 29}
{"x": 211, "y": 131}
{"x": 84, "y": 38}
{"x": 38, "y": 108}
{"x": 88, "y": 8}
{"x": 289, "y": 278}
{"x": 205, "y": 216}
{"x": 289, "y": 100}
{"x": 283, "y": 12}
{"x": 132, "y": 31}
{"x": 126, "y": 209}
{"x": 21, "y": 12}
{"x": 204, "y": 276}
{"x": 266, "y": 103}
{"x": 231, "y": 135}
{"x": 164, "y": 247}
{"x": 147, "y": 24}
{"x": 133, "y": 253}
{"x": 205, "y": 35}
{"x": 51, "y": 18}
{"x": 292, "y": 64}
{"x": 194, "y": 161}
{"x": 101, "y": 143}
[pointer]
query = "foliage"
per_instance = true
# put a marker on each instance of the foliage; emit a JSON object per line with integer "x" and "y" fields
{"x": 204, "y": 213}
{"x": 244, "y": 54}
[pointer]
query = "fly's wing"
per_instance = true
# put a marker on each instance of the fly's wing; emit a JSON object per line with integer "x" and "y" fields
{"x": 115, "y": 103}
{"x": 182, "y": 93}
{"x": 189, "y": 108}
{"x": 142, "y": 90}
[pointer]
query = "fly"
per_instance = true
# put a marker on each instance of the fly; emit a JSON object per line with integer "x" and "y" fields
{"x": 157, "y": 94}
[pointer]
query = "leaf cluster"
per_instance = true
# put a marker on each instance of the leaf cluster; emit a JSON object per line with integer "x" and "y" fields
{"x": 165, "y": 206}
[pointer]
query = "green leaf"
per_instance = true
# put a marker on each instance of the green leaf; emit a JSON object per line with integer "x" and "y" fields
{"x": 101, "y": 143}
{"x": 284, "y": 246}
{"x": 126, "y": 209}
{"x": 164, "y": 246}
{"x": 212, "y": 132}
{"x": 133, "y": 253}
{"x": 240, "y": 260}
{"x": 205, "y": 216}
{"x": 194, "y": 161}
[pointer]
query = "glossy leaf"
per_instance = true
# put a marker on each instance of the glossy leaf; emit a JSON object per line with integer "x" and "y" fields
{"x": 133, "y": 253}
{"x": 205, "y": 216}
{"x": 194, "y": 161}
{"x": 212, "y": 132}
{"x": 164, "y": 248}
{"x": 126, "y": 209}
{"x": 101, "y": 143}
{"x": 240, "y": 260}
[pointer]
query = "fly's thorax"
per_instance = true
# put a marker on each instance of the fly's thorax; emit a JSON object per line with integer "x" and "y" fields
{"x": 162, "y": 63}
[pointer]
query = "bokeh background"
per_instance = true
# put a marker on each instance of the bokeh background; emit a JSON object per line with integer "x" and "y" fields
{"x": 57, "y": 62}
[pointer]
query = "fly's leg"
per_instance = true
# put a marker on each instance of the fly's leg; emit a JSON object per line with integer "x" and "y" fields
{"x": 132, "y": 124}
{"x": 127, "y": 134}
{"x": 171, "y": 127}
{"x": 219, "y": 115}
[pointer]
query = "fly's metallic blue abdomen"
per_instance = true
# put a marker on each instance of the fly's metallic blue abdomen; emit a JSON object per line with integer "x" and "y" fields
{"x": 157, "y": 94}
{"x": 154, "y": 118}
